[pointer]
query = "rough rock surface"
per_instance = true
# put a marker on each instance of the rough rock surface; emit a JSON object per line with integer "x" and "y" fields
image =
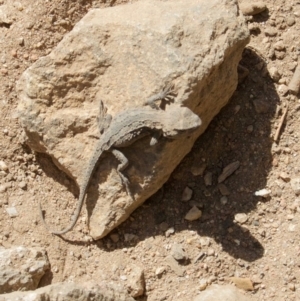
{"x": 124, "y": 55}
{"x": 21, "y": 268}
{"x": 70, "y": 292}
{"x": 222, "y": 292}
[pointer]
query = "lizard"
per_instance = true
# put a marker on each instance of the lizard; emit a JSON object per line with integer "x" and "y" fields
{"x": 127, "y": 127}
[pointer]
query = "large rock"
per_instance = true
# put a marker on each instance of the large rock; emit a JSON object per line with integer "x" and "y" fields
{"x": 70, "y": 292}
{"x": 123, "y": 55}
{"x": 21, "y": 268}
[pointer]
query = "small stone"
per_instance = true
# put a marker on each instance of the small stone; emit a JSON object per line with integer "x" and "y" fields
{"x": 243, "y": 283}
{"x": 250, "y": 128}
{"x": 210, "y": 252}
{"x": 3, "y": 166}
{"x": 203, "y": 284}
{"x": 205, "y": 241}
{"x": 193, "y": 214}
{"x": 223, "y": 189}
{"x": 292, "y": 287}
{"x": 283, "y": 89}
{"x": 270, "y": 31}
{"x": 241, "y": 218}
{"x": 284, "y": 176}
{"x": 22, "y": 185}
{"x": 228, "y": 171}
{"x": 252, "y": 8}
{"x": 290, "y": 21}
{"x": 21, "y": 41}
{"x": 279, "y": 46}
{"x": 159, "y": 271}
{"x": 261, "y": 106}
{"x": 115, "y": 237}
{"x": 263, "y": 192}
{"x": 224, "y": 200}
{"x": 295, "y": 183}
{"x": 163, "y": 226}
{"x": 198, "y": 170}
{"x": 208, "y": 179}
{"x": 274, "y": 74}
{"x": 3, "y": 188}
{"x": 130, "y": 237}
{"x": 14, "y": 53}
{"x": 12, "y": 211}
{"x": 178, "y": 252}
{"x": 187, "y": 194}
{"x": 4, "y": 71}
{"x": 170, "y": 231}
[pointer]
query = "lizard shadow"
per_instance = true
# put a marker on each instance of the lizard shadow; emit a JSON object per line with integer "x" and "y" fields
{"x": 241, "y": 131}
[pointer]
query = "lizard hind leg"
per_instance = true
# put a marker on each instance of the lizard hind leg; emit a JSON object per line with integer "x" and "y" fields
{"x": 123, "y": 164}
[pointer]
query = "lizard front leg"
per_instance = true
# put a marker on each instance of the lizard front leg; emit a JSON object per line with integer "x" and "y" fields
{"x": 167, "y": 94}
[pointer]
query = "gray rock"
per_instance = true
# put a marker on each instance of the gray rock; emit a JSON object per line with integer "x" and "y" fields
{"x": 123, "y": 55}
{"x": 70, "y": 292}
{"x": 178, "y": 252}
{"x": 21, "y": 268}
{"x": 221, "y": 292}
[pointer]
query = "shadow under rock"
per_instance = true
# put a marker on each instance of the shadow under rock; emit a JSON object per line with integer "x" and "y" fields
{"x": 240, "y": 132}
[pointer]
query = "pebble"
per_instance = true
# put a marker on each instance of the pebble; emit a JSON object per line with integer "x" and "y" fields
{"x": 3, "y": 188}
{"x": 114, "y": 237}
{"x": 290, "y": 21}
{"x": 279, "y": 46}
{"x": 274, "y": 74}
{"x": 250, "y": 128}
{"x": 252, "y": 8}
{"x": 12, "y": 211}
{"x": 241, "y": 218}
{"x": 163, "y": 226}
{"x": 270, "y": 32}
{"x": 243, "y": 283}
{"x": 261, "y": 106}
{"x": 263, "y": 192}
{"x": 159, "y": 271}
{"x": 193, "y": 214}
{"x": 170, "y": 231}
{"x": 295, "y": 183}
{"x": 198, "y": 170}
{"x": 228, "y": 171}
{"x": 3, "y": 166}
{"x": 202, "y": 284}
{"x": 284, "y": 176}
{"x": 178, "y": 252}
{"x": 294, "y": 85}
{"x": 224, "y": 200}
{"x": 223, "y": 189}
{"x": 22, "y": 185}
{"x": 208, "y": 179}
{"x": 187, "y": 194}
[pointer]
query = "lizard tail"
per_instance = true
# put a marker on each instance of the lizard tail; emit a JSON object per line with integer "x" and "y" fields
{"x": 71, "y": 226}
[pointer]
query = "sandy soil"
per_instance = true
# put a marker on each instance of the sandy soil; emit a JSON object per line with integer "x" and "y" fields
{"x": 239, "y": 234}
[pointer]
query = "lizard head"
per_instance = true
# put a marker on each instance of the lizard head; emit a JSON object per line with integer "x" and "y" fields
{"x": 181, "y": 120}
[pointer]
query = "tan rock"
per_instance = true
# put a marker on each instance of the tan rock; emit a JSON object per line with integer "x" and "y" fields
{"x": 252, "y": 8}
{"x": 193, "y": 214}
{"x": 108, "y": 56}
{"x": 243, "y": 283}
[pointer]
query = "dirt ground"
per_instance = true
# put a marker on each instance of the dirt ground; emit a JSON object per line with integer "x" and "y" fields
{"x": 239, "y": 234}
